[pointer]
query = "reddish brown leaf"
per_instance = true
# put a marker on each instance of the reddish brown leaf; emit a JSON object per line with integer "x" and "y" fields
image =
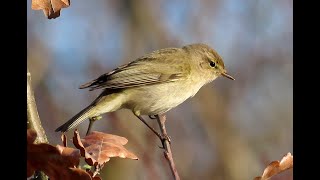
{"x": 30, "y": 169}
{"x": 276, "y": 167}
{"x": 78, "y": 144}
{"x": 53, "y": 161}
{"x": 77, "y": 173}
{"x": 51, "y": 8}
{"x": 31, "y": 136}
{"x": 98, "y": 148}
{"x": 96, "y": 178}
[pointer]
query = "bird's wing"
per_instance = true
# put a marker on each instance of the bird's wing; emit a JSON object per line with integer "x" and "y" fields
{"x": 147, "y": 70}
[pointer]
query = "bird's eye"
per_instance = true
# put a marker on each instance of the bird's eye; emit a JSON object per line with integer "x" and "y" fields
{"x": 212, "y": 64}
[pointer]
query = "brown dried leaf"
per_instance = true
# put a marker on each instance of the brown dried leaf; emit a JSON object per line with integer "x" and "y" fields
{"x": 53, "y": 161}
{"x": 276, "y": 167}
{"x": 31, "y": 136}
{"x": 98, "y": 148}
{"x": 51, "y": 8}
{"x": 95, "y": 177}
{"x": 78, "y": 144}
{"x": 77, "y": 173}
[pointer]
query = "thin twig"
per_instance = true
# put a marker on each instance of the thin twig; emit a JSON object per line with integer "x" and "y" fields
{"x": 34, "y": 122}
{"x": 166, "y": 145}
{"x": 147, "y": 159}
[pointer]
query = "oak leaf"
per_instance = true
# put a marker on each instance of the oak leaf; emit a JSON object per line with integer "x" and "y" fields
{"x": 51, "y": 8}
{"x": 57, "y": 162}
{"x": 94, "y": 177}
{"x": 276, "y": 167}
{"x": 98, "y": 147}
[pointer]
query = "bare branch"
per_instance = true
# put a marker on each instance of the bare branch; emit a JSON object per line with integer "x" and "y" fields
{"x": 34, "y": 122}
{"x": 33, "y": 119}
{"x": 166, "y": 145}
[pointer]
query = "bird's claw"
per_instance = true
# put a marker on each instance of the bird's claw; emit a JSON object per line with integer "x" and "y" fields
{"x": 152, "y": 117}
{"x": 166, "y": 137}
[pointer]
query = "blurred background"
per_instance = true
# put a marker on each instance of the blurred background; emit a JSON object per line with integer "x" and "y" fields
{"x": 231, "y": 130}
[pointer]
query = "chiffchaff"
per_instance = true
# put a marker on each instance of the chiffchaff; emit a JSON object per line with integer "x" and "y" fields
{"x": 153, "y": 84}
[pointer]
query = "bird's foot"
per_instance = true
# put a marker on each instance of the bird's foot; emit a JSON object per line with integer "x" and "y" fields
{"x": 152, "y": 117}
{"x": 163, "y": 138}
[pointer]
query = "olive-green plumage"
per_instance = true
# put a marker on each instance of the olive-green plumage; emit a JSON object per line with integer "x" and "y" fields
{"x": 153, "y": 84}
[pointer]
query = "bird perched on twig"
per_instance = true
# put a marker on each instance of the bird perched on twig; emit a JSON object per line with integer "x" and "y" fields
{"x": 153, "y": 84}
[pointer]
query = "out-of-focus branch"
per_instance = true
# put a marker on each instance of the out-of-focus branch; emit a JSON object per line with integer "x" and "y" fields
{"x": 166, "y": 145}
{"x": 224, "y": 136}
{"x": 34, "y": 122}
{"x": 33, "y": 119}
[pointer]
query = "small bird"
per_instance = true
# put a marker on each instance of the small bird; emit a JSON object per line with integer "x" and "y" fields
{"x": 152, "y": 84}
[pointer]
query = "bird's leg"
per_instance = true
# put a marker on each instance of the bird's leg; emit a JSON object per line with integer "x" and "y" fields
{"x": 161, "y": 137}
{"x": 91, "y": 121}
{"x": 151, "y": 128}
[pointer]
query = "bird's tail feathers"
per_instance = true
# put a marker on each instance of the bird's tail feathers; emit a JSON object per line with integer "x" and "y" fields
{"x": 77, "y": 119}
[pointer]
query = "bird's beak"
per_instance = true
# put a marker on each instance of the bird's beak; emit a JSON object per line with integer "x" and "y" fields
{"x": 227, "y": 75}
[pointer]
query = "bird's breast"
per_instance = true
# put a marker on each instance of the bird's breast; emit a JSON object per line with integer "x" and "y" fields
{"x": 160, "y": 98}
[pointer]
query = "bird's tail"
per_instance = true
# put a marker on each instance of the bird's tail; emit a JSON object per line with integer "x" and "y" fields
{"x": 77, "y": 119}
{"x": 107, "y": 101}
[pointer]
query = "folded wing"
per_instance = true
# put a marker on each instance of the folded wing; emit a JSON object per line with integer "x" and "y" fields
{"x": 144, "y": 71}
